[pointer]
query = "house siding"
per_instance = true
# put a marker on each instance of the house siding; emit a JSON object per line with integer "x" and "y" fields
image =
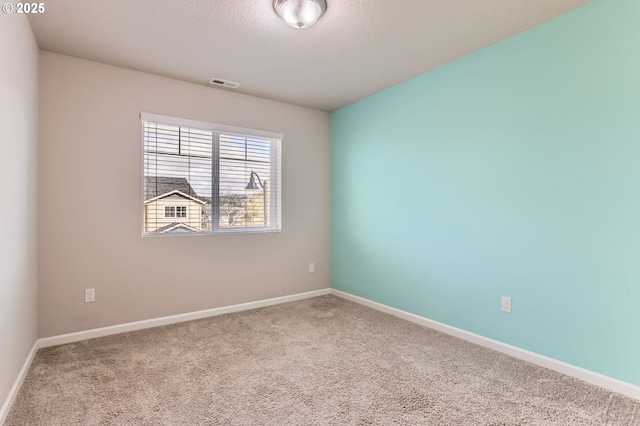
{"x": 154, "y": 213}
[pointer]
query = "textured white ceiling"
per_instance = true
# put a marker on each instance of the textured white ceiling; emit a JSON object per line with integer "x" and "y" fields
{"x": 357, "y": 48}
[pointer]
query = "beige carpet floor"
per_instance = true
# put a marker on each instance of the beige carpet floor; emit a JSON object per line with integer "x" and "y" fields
{"x": 321, "y": 361}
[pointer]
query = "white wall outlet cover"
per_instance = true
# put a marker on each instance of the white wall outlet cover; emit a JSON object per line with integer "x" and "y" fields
{"x": 312, "y": 267}
{"x": 506, "y": 304}
{"x": 89, "y": 295}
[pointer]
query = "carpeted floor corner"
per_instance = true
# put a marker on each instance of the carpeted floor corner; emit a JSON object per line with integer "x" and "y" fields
{"x": 320, "y": 361}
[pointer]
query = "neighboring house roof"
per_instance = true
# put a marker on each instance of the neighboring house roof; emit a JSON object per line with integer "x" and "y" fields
{"x": 175, "y": 192}
{"x": 157, "y": 186}
{"x": 176, "y": 226}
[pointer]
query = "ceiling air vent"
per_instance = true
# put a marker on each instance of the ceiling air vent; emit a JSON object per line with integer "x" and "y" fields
{"x": 224, "y": 83}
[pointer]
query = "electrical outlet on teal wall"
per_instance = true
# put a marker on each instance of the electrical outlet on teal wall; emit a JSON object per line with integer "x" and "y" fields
{"x": 513, "y": 171}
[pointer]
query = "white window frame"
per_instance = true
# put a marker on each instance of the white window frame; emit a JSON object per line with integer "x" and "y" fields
{"x": 275, "y": 205}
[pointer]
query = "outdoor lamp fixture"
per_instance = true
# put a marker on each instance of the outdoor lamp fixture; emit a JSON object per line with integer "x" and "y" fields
{"x": 300, "y": 13}
{"x": 263, "y": 184}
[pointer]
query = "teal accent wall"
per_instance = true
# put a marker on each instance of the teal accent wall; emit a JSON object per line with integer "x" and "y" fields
{"x": 514, "y": 171}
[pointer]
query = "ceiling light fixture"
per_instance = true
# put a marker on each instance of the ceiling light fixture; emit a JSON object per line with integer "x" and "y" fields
{"x": 300, "y": 13}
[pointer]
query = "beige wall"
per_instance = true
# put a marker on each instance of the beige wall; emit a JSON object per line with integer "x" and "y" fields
{"x": 18, "y": 178}
{"x": 90, "y": 154}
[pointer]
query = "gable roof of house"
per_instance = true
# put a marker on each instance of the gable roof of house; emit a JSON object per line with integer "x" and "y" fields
{"x": 157, "y": 186}
{"x": 175, "y": 226}
{"x": 175, "y": 192}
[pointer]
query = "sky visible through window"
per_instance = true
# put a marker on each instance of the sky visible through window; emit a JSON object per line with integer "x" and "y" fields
{"x": 184, "y": 152}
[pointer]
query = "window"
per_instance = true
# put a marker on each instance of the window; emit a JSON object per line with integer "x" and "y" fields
{"x": 207, "y": 178}
{"x": 175, "y": 211}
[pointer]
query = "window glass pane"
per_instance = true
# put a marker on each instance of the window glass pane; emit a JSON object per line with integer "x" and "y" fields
{"x": 177, "y": 170}
{"x": 242, "y": 207}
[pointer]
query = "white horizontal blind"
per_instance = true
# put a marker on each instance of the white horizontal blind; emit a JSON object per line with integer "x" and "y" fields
{"x": 197, "y": 179}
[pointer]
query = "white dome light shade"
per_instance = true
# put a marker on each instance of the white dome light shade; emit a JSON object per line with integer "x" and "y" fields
{"x": 300, "y": 13}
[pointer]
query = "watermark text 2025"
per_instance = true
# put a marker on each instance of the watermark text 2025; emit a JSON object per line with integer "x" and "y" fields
{"x": 23, "y": 8}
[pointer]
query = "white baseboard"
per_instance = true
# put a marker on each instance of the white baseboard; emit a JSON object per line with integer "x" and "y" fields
{"x": 597, "y": 379}
{"x": 155, "y": 322}
{"x": 4, "y": 411}
{"x": 139, "y": 325}
{"x": 588, "y": 376}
